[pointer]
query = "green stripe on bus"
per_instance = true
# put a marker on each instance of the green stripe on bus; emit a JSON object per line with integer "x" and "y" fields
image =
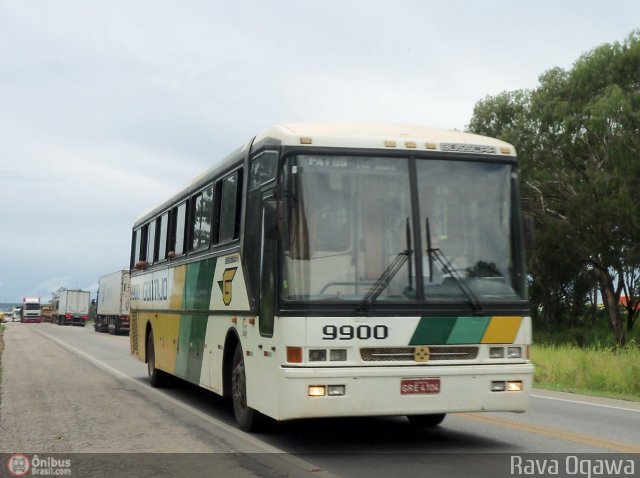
{"x": 191, "y": 347}
{"x": 433, "y": 330}
{"x": 198, "y": 283}
{"x": 184, "y": 336}
{"x": 468, "y": 330}
{"x": 196, "y": 347}
{"x": 449, "y": 330}
{"x": 197, "y": 296}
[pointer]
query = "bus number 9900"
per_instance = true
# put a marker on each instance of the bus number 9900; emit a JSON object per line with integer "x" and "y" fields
{"x": 348, "y": 332}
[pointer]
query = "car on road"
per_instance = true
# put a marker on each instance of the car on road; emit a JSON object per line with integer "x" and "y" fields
{"x": 17, "y": 312}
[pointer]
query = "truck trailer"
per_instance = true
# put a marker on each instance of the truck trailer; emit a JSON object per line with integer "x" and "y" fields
{"x": 71, "y": 307}
{"x": 31, "y": 310}
{"x": 114, "y": 294}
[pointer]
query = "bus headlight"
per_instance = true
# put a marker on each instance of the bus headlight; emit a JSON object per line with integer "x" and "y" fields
{"x": 317, "y": 391}
{"x": 514, "y": 352}
{"x": 497, "y": 386}
{"x": 335, "y": 390}
{"x": 515, "y": 386}
{"x": 338, "y": 355}
{"x": 317, "y": 355}
{"x": 496, "y": 352}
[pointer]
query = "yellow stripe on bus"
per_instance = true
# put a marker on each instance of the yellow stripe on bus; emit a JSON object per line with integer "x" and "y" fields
{"x": 177, "y": 289}
{"x": 501, "y": 330}
{"x": 166, "y": 327}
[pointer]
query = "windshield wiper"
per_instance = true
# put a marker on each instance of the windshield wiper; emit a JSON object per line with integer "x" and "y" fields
{"x": 387, "y": 276}
{"x": 447, "y": 268}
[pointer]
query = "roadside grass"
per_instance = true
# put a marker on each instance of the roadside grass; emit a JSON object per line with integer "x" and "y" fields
{"x": 593, "y": 370}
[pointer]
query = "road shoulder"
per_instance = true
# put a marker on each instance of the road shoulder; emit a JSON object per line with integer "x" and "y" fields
{"x": 54, "y": 402}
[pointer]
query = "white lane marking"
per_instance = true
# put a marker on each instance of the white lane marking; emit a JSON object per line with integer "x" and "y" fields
{"x": 260, "y": 445}
{"x": 587, "y": 403}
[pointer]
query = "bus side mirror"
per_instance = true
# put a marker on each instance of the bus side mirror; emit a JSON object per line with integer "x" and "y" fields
{"x": 528, "y": 224}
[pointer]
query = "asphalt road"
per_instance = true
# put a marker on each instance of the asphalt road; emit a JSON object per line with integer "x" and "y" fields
{"x": 137, "y": 418}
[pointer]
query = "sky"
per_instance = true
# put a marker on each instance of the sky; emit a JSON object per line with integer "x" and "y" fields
{"x": 108, "y": 107}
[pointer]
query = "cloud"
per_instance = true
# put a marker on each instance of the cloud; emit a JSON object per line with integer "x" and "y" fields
{"x": 108, "y": 108}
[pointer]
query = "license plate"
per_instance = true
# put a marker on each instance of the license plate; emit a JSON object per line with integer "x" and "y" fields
{"x": 419, "y": 386}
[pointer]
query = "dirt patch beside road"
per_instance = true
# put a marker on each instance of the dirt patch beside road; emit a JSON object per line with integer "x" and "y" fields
{"x": 54, "y": 401}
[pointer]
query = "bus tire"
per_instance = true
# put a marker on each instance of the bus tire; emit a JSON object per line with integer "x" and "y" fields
{"x": 248, "y": 419}
{"x": 426, "y": 421}
{"x": 157, "y": 378}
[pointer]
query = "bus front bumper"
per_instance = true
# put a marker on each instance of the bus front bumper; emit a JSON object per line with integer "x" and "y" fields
{"x": 380, "y": 391}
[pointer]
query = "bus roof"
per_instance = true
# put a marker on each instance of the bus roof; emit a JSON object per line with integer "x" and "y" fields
{"x": 369, "y": 135}
{"x": 384, "y": 136}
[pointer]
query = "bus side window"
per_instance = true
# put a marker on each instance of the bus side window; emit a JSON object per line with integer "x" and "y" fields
{"x": 263, "y": 169}
{"x": 141, "y": 244}
{"x": 151, "y": 241}
{"x": 135, "y": 247}
{"x": 230, "y": 189}
{"x": 177, "y": 229}
{"x": 202, "y": 207}
{"x": 161, "y": 249}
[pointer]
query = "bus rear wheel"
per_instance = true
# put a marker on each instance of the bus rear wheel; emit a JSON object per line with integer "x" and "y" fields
{"x": 426, "y": 421}
{"x": 157, "y": 378}
{"x": 248, "y": 419}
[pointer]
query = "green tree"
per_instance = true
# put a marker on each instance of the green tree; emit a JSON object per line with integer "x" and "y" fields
{"x": 578, "y": 137}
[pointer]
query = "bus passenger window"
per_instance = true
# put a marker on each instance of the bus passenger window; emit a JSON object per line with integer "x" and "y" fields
{"x": 151, "y": 241}
{"x": 137, "y": 247}
{"x": 229, "y": 209}
{"x": 202, "y": 218}
{"x": 162, "y": 237}
{"x": 141, "y": 249}
{"x": 177, "y": 229}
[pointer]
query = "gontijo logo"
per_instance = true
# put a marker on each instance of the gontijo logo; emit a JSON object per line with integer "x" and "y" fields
{"x": 19, "y": 464}
{"x": 226, "y": 285}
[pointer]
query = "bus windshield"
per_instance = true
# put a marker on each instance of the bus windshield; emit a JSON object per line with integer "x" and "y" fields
{"x": 350, "y": 223}
{"x": 468, "y": 209}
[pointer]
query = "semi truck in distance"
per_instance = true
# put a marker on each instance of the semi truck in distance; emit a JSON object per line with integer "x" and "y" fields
{"x": 114, "y": 295}
{"x": 70, "y": 307}
{"x": 31, "y": 310}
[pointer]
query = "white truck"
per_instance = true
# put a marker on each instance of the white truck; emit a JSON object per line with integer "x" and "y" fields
{"x": 112, "y": 308}
{"x": 16, "y": 313}
{"x": 71, "y": 307}
{"x": 31, "y": 310}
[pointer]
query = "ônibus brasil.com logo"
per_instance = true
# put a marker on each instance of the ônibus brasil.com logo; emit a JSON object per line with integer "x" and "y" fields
{"x": 20, "y": 464}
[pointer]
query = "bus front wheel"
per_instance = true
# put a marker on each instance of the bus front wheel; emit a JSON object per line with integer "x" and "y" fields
{"x": 248, "y": 419}
{"x": 432, "y": 420}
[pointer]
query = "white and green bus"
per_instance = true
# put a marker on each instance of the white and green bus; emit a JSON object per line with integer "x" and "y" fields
{"x": 347, "y": 269}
